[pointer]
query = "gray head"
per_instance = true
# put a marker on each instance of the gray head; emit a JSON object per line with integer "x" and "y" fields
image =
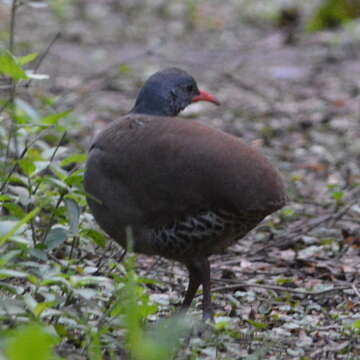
{"x": 169, "y": 91}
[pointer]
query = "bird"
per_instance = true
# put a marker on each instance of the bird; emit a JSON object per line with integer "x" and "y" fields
{"x": 185, "y": 189}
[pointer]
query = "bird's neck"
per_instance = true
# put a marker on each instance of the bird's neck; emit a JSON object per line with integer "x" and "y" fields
{"x": 154, "y": 108}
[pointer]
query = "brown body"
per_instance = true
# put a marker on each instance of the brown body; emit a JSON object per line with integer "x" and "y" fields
{"x": 187, "y": 190}
{"x": 151, "y": 171}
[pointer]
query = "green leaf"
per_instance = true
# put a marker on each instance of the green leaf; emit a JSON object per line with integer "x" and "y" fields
{"x": 6, "y": 273}
{"x": 54, "y": 118}
{"x": 22, "y": 60}
{"x": 221, "y": 325}
{"x": 356, "y": 324}
{"x": 38, "y": 253}
{"x": 257, "y": 324}
{"x": 28, "y": 109}
{"x": 76, "y": 178}
{"x": 19, "y": 224}
{"x": 40, "y": 307}
{"x": 47, "y": 100}
{"x": 124, "y": 68}
{"x": 56, "y": 183}
{"x": 161, "y": 342}
{"x": 30, "y": 342}
{"x": 56, "y": 237}
{"x": 61, "y": 330}
{"x": 337, "y": 195}
{"x": 18, "y": 179}
{"x": 73, "y": 212}
{"x": 332, "y": 13}
{"x": 9, "y": 255}
{"x": 92, "y": 234}
{"x": 58, "y": 172}
{"x": 14, "y": 209}
{"x": 9, "y": 67}
{"x": 288, "y": 211}
{"x": 282, "y": 281}
{"x": 27, "y": 166}
{"x": 5, "y": 198}
{"x": 74, "y": 159}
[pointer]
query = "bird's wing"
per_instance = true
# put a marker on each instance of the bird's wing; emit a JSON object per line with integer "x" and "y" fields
{"x": 163, "y": 168}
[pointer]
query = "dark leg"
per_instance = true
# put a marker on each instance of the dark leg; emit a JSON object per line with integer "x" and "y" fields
{"x": 194, "y": 283}
{"x": 199, "y": 273}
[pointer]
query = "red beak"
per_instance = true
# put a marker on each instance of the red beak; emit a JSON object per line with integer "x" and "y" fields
{"x": 205, "y": 96}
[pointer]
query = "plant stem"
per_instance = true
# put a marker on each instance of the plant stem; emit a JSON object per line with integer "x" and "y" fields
{"x": 12, "y": 134}
{"x": 52, "y": 217}
{"x": 12, "y": 26}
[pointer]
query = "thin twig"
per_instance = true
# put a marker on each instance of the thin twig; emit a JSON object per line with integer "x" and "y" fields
{"x": 12, "y": 26}
{"x": 74, "y": 243}
{"x": 5, "y": 105}
{"x": 50, "y": 160}
{"x": 12, "y": 135}
{"x": 50, "y": 224}
{"x": 61, "y": 195}
{"x": 290, "y": 237}
{"x": 23, "y": 153}
{"x": 33, "y": 232}
{"x": 108, "y": 249}
{"x": 279, "y": 288}
{"x": 43, "y": 56}
{"x": 32, "y": 193}
{"x": 347, "y": 207}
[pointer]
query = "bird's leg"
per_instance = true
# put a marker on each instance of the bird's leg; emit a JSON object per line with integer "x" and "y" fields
{"x": 194, "y": 283}
{"x": 199, "y": 274}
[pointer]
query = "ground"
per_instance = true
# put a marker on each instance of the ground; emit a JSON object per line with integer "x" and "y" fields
{"x": 290, "y": 289}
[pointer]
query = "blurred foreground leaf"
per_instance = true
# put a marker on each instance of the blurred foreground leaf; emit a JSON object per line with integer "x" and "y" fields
{"x": 30, "y": 342}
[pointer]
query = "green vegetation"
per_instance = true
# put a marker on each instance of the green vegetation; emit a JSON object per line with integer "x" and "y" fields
{"x": 54, "y": 290}
{"x": 332, "y": 13}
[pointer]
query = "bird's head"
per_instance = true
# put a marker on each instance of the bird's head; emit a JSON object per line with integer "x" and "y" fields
{"x": 168, "y": 92}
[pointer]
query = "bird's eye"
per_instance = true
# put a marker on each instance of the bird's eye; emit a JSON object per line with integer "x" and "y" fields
{"x": 190, "y": 88}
